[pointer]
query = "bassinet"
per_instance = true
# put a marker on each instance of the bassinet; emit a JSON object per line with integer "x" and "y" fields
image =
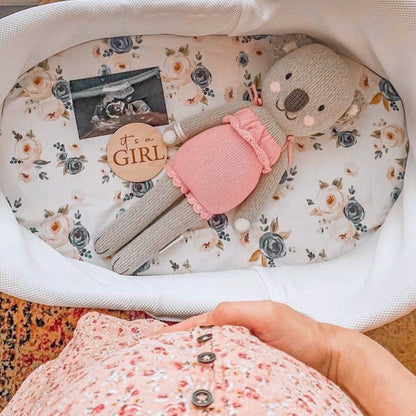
{"x": 362, "y": 289}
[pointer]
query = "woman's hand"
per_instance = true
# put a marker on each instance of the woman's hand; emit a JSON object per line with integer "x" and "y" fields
{"x": 365, "y": 370}
{"x": 277, "y": 325}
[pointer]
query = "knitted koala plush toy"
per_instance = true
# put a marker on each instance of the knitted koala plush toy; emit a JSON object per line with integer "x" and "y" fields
{"x": 232, "y": 156}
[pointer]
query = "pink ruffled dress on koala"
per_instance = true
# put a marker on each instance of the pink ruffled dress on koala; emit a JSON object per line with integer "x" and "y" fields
{"x": 206, "y": 169}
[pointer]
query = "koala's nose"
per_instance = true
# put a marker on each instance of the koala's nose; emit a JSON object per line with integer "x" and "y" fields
{"x": 296, "y": 100}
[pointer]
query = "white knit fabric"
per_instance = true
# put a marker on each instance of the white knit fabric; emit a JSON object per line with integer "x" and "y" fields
{"x": 363, "y": 289}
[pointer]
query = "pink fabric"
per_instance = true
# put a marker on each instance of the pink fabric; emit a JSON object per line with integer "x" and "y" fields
{"x": 254, "y": 95}
{"x": 289, "y": 146}
{"x": 114, "y": 367}
{"x": 219, "y": 168}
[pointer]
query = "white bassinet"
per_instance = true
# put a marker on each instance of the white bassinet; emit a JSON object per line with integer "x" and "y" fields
{"x": 362, "y": 289}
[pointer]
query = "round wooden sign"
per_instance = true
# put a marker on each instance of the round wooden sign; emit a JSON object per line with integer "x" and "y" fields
{"x": 136, "y": 152}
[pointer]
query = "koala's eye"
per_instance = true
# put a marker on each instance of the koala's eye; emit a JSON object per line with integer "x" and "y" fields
{"x": 288, "y": 75}
{"x": 321, "y": 108}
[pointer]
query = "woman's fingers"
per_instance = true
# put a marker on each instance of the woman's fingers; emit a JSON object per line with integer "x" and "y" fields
{"x": 185, "y": 325}
{"x": 248, "y": 314}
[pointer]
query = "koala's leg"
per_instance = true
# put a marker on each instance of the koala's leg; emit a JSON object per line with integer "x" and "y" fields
{"x": 249, "y": 210}
{"x": 154, "y": 238}
{"x": 128, "y": 225}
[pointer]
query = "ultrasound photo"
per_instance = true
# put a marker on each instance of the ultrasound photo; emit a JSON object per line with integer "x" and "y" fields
{"x": 105, "y": 103}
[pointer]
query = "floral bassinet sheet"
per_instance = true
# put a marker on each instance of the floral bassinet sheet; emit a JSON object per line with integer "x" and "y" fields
{"x": 340, "y": 187}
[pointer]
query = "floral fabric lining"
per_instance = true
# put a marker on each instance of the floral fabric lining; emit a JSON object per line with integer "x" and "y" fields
{"x": 62, "y": 189}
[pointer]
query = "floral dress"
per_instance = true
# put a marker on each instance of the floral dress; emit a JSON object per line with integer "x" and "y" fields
{"x": 115, "y": 367}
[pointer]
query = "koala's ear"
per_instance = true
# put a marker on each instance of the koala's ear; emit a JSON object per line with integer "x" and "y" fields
{"x": 289, "y": 42}
{"x": 349, "y": 118}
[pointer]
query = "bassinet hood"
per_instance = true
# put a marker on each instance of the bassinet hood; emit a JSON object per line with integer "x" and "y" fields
{"x": 367, "y": 287}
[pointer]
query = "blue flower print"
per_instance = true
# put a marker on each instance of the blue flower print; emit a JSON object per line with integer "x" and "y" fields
{"x": 142, "y": 268}
{"x": 73, "y": 165}
{"x": 61, "y": 156}
{"x": 388, "y": 90}
{"x": 242, "y": 59}
{"x": 139, "y": 189}
{"x": 354, "y": 211}
{"x": 272, "y": 246}
{"x": 201, "y": 76}
{"x": 283, "y": 178}
{"x": 104, "y": 70}
{"x": 218, "y": 222}
{"x": 62, "y": 91}
{"x": 346, "y": 139}
{"x": 121, "y": 44}
{"x": 395, "y": 193}
{"x": 79, "y": 237}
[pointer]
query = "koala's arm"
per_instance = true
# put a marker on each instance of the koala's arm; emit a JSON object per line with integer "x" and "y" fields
{"x": 249, "y": 210}
{"x": 191, "y": 126}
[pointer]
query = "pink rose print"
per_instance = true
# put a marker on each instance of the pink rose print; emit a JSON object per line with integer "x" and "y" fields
{"x": 303, "y": 405}
{"x": 160, "y": 350}
{"x": 251, "y": 393}
{"x": 129, "y": 388}
{"x": 98, "y": 409}
{"x": 178, "y": 365}
{"x": 129, "y": 410}
{"x": 182, "y": 384}
{"x": 175, "y": 409}
{"x": 136, "y": 360}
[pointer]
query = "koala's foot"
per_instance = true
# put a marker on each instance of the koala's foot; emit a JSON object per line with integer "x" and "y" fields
{"x": 158, "y": 235}
{"x": 242, "y": 225}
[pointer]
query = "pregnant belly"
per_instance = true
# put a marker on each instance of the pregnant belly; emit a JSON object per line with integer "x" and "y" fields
{"x": 219, "y": 168}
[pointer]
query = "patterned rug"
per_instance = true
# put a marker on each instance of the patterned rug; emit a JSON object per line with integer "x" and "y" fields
{"x": 31, "y": 334}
